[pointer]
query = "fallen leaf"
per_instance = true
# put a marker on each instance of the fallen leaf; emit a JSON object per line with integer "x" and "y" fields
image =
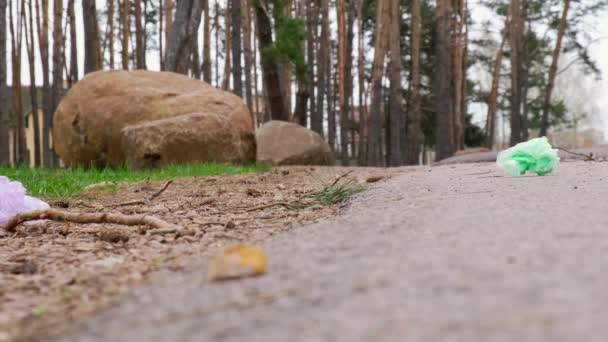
{"x": 238, "y": 261}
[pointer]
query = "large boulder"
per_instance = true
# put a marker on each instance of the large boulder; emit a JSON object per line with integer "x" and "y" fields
{"x": 147, "y": 118}
{"x": 286, "y": 143}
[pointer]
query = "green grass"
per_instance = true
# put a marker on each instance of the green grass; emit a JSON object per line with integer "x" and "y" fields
{"x": 338, "y": 192}
{"x": 64, "y": 183}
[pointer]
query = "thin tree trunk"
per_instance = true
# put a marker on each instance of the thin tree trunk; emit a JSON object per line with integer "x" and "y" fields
{"x": 16, "y": 28}
{"x": 553, "y": 70}
{"x": 195, "y": 58}
{"x": 57, "y": 53}
{"x": 312, "y": 14}
{"x": 73, "y": 73}
{"x": 92, "y": 47}
{"x": 179, "y": 46}
{"x": 493, "y": 97}
{"x": 161, "y": 30}
{"x": 322, "y": 69}
{"x": 42, "y": 26}
{"x": 349, "y": 86}
{"x": 443, "y": 83}
{"x": 29, "y": 42}
{"x": 341, "y": 14}
{"x": 227, "y": 48}
{"x": 302, "y": 95}
{"x": 4, "y": 113}
{"x": 459, "y": 41}
{"x": 374, "y": 149}
{"x": 361, "y": 76}
{"x": 395, "y": 122}
{"x": 216, "y": 25}
{"x": 126, "y": 28}
{"x": 168, "y": 23}
{"x": 414, "y": 132}
{"x": 270, "y": 68}
{"x": 515, "y": 40}
{"x": 246, "y": 18}
{"x": 235, "y": 30}
{"x": 140, "y": 50}
{"x": 206, "y": 44}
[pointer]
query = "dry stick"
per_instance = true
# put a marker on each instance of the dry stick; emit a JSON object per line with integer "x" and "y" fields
{"x": 144, "y": 201}
{"x": 587, "y": 157}
{"x": 341, "y": 177}
{"x": 262, "y": 207}
{"x": 160, "y": 192}
{"x": 64, "y": 216}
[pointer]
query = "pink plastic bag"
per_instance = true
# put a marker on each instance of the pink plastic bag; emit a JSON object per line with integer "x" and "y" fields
{"x": 13, "y": 200}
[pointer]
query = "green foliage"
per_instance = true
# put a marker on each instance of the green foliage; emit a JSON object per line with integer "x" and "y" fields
{"x": 62, "y": 183}
{"x": 290, "y": 35}
{"x": 338, "y": 192}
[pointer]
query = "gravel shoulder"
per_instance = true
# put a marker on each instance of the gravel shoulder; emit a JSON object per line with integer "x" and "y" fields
{"x": 452, "y": 253}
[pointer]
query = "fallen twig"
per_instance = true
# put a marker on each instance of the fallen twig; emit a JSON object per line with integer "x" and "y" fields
{"x": 144, "y": 201}
{"x": 341, "y": 177}
{"x": 87, "y": 218}
{"x": 160, "y": 192}
{"x": 586, "y": 157}
{"x": 262, "y": 207}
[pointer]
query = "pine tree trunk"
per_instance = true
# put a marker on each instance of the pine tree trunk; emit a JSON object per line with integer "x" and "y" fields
{"x": 270, "y": 69}
{"x": 140, "y": 51}
{"x": 374, "y": 149}
{"x": 195, "y": 62}
{"x": 395, "y": 122}
{"x": 302, "y": 95}
{"x": 341, "y": 14}
{"x": 349, "y": 86}
{"x": 4, "y": 113}
{"x": 246, "y": 19}
{"x": 312, "y": 14}
{"x": 206, "y": 43}
{"x": 322, "y": 69}
{"x": 361, "y": 76}
{"x": 29, "y": 41}
{"x": 57, "y": 53}
{"x": 16, "y": 28}
{"x": 73, "y": 73}
{"x": 516, "y": 32}
{"x": 444, "y": 83}
{"x": 414, "y": 115}
{"x": 553, "y": 70}
{"x": 459, "y": 78}
{"x": 235, "y": 31}
{"x": 42, "y": 26}
{"x": 180, "y": 44}
{"x": 126, "y": 29}
{"x": 92, "y": 47}
{"x": 161, "y": 30}
{"x": 493, "y": 97}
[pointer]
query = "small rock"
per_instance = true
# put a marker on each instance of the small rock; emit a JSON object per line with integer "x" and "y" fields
{"x": 114, "y": 236}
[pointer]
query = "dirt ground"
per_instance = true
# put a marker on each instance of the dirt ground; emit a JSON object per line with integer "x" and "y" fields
{"x": 52, "y": 275}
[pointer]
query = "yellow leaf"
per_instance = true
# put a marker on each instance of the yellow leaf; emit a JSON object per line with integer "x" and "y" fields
{"x": 237, "y": 262}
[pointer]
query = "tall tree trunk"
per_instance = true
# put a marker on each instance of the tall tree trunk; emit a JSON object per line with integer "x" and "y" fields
{"x": 553, "y": 70}
{"x": 216, "y": 26}
{"x": 246, "y": 19}
{"x": 395, "y": 122}
{"x": 206, "y": 43}
{"x": 16, "y": 28}
{"x": 493, "y": 97}
{"x": 444, "y": 83}
{"x": 341, "y": 14}
{"x": 4, "y": 113}
{"x": 459, "y": 69}
{"x": 161, "y": 30}
{"x": 361, "y": 78}
{"x": 140, "y": 50}
{"x": 29, "y": 42}
{"x": 73, "y": 73}
{"x": 237, "y": 72}
{"x": 414, "y": 115}
{"x": 302, "y": 95}
{"x": 516, "y": 31}
{"x": 57, "y": 53}
{"x": 322, "y": 69}
{"x": 374, "y": 149}
{"x": 270, "y": 69}
{"x": 227, "y": 47}
{"x": 349, "y": 86}
{"x": 179, "y": 46}
{"x": 312, "y": 16}
{"x": 196, "y": 60}
{"x": 42, "y": 26}
{"x": 126, "y": 29}
{"x": 92, "y": 47}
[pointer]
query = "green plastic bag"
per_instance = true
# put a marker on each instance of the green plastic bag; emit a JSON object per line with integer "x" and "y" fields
{"x": 536, "y": 155}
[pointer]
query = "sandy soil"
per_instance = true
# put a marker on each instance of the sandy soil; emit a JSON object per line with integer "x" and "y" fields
{"x": 53, "y": 275}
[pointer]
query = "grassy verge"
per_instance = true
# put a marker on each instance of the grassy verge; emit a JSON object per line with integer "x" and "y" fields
{"x": 62, "y": 183}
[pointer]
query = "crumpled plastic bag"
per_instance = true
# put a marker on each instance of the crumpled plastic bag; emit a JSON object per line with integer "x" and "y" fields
{"x": 536, "y": 155}
{"x": 13, "y": 200}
